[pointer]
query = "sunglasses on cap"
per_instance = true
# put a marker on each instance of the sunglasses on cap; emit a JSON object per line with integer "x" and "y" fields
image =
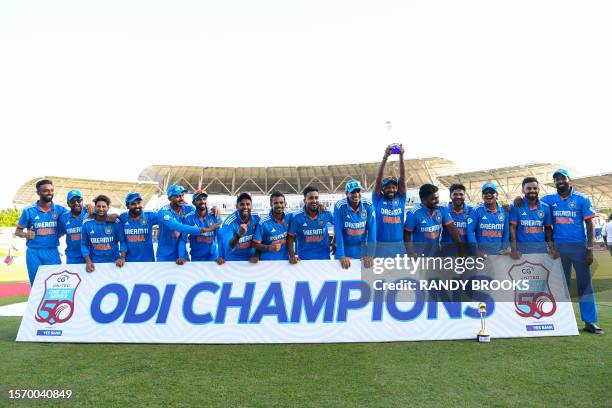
{"x": 75, "y": 200}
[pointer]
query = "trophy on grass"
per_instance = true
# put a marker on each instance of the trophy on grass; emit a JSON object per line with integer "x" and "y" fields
{"x": 483, "y": 335}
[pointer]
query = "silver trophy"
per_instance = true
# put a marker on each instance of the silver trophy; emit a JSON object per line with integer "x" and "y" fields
{"x": 483, "y": 335}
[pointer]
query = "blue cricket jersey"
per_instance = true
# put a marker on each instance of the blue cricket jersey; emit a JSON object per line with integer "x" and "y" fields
{"x": 311, "y": 234}
{"x": 352, "y": 227}
{"x": 460, "y": 221}
{"x": 568, "y": 216}
{"x": 139, "y": 236}
{"x": 70, "y": 226}
{"x": 44, "y": 224}
{"x": 243, "y": 249}
{"x": 202, "y": 247}
{"x": 530, "y": 223}
{"x": 489, "y": 230}
{"x": 390, "y": 214}
{"x": 102, "y": 241}
{"x": 270, "y": 231}
{"x": 170, "y": 229}
{"x": 426, "y": 228}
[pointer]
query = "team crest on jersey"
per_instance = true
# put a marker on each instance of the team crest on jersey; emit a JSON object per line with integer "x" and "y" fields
{"x": 537, "y": 301}
{"x": 465, "y": 216}
{"x": 108, "y": 230}
{"x": 541, "y": 214}
{"x": 320, "y": 223}
{"x": 395, "y": 201}
{"x": 502, "y": 217}
{"x": 364, "y": 214}
{"x": 57, "y": 304}
{"x": 438, "y": 218}
{"x": 572, "y": 204}
{"x": 143, "y": 222}
{"x": 54, "y": 215}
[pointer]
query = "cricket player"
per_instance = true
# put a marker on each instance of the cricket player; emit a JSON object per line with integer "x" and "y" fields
{"x": 102, "y": 242}
{"x": 531, "y": 224}
{"x": 354, "y": 225}
{"x": 202, "y": 247}
{"x": 70, "y": 224}
{"x": 571, "y": 212}
{"x": 138, "y": 229}
{"x": 459, "y": 212}
{"x": 607, "y": 234}
{"x": 270, "y": 240}
{"x": 41, "y": 221}
{"x": 309, "y": 229}
{"x": 389, "y": 199}
{"x": 237, "y": 232}
{"x": 489, "y": 224}
{"x": 170, "y": 218}
{"x": 425, "y": 223}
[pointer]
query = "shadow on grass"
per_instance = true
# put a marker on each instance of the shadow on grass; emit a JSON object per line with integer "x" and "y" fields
{"x": 602, "y": 288}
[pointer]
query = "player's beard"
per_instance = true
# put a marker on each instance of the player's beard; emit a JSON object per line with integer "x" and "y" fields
{"x": 531, "y": 196}
{"x": 563, "y": 188}
{"x": 136, "y": 212}
{"x": 245, "y": 214}
{"x": 47, "y": 198}
{"x": 458, "y": 202}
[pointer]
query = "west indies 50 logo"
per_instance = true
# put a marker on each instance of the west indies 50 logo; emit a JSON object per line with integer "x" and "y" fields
{"x": 57, "y": 304}
{"x": 536, "y": 301}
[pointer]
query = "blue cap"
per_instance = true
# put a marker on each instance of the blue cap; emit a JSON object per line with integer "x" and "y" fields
{"x": 352, "y": 185}
{"x": 74, "y": 193}
{"x": 199, "y": 193}
{"x": 390, "y": 180}
{"x": 175, "y": 190}
{"x": 489, "y": 184}
{"x": 562, "y": 172}
{"x": 131, "y": 197}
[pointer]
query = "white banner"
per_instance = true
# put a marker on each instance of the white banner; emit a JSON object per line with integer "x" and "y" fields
{"x": 274, "y": 302}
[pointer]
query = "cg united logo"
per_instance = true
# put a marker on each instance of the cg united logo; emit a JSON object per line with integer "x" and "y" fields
{"x": 537, "y": 301}
{"x": 57, "y": 304}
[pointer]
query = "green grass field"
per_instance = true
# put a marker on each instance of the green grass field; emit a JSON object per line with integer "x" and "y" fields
{"x": 562, "y": 371}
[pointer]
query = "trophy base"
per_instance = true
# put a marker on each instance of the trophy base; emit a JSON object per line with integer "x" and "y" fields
{"x": 483, "y": 338}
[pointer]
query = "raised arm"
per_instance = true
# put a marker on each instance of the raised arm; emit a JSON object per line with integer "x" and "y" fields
{"x": 401, "y": 188}
{"x": 381, "y": 171}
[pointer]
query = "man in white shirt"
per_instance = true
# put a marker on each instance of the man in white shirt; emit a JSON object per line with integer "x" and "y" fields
{"x": 606, "y": 231}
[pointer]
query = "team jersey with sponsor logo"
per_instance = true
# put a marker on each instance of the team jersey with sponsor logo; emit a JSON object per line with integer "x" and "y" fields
{"x": 568, "y": 215}
{"x": 139, "y": 236}
{"x": 460, "y": 219}
{"x": 489, "y": 230}
{"x": 311, "y": 234}
{"x": 530, "y": 223}
{"x": 102, "y": 241}
{"x": 271, "y": 231}
{"x": 389, "y": 217}
{"x": 243, "y": 249}
{"x": 170, "y": 229}
{"x": 204, "y": 246}
{"x": 70, "y": 226}
{"x": 352, "y": 227}
{"x": 43, "y": 223}
{"x": 426, "y": 225}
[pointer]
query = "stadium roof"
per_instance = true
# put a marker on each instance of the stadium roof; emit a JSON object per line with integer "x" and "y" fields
{"x": 291, "y": 180}
{"x": 116, "y": 190}
{"x": 597, "y": 187}
{"x": 507, "y": 179}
